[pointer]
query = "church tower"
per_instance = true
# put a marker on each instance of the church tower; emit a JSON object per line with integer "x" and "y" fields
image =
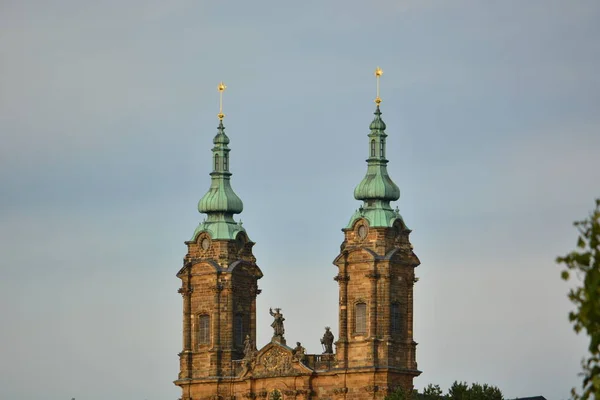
{"x": 218, "y": 280}
{"x": 376, "y": 277}
{"x": 375, "y": 351}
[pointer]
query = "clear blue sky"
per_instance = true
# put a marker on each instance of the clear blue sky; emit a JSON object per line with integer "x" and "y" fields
{"x": 107, "y": 113}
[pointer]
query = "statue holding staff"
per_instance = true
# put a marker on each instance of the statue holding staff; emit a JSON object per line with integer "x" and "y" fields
{"x": 277, "y": 324}
{"x": 327, "y": 341}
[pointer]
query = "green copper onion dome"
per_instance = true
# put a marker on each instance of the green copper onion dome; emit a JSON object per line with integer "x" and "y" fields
{"x": 220, "y": 202}
{"x": 220, "y": 197}
{"x": 376, "y": 189}
{"x": 377, "y": 184}
{"x": 221, "y": 137}
{"x": 378, "y": 124}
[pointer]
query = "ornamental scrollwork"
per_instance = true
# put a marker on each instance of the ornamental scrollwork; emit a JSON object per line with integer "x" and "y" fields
{"x": 276, "y": 360}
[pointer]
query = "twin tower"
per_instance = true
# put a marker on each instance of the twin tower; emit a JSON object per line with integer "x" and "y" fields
{"x": 375, "y": 351}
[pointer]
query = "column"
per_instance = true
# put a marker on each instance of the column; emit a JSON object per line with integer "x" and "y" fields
{"x": 373, "y": 277}
{"x": 342, "y": 342}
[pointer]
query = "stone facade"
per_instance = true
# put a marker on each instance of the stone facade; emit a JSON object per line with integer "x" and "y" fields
{"x": 219, "y": 289}
{"x": 219, "y": 280}
{"x": 375, "y": 353}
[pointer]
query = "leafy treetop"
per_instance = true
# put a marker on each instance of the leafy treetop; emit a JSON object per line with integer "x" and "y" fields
{"x": 585, "y": 263}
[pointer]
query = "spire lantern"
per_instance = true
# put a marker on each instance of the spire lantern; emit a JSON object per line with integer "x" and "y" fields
{"x": 220, "y": 202}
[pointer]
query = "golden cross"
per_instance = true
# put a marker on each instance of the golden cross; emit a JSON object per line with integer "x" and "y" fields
{"x": 221, "y": 88}
{"x": 378, "y": 73}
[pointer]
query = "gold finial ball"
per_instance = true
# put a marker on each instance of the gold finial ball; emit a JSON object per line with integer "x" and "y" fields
{"x": 378, "y": 72}
{"x": 222, "y": 87}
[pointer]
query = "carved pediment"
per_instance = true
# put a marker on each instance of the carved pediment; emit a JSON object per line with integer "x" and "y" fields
{"x": 276, "y": 360}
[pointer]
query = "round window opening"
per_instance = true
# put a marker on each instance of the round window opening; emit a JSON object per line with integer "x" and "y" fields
{"x": 362, "y": 231}
{"x": 205, "y": 244}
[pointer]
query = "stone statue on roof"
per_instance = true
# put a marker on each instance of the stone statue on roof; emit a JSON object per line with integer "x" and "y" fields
{"x": 299, "y": 352}
{"x": 277, "y": 324}
{"x": 327, "y": 341}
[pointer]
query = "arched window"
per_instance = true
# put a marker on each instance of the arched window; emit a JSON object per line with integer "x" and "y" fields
{"x": 204, "y": 329}
{"x": 238, "y": 329}
{"x": 373, "y": 148}
{"x": 360, "y": 318}
{"x": 381, "y": 148}
{"x": 216, "y": 162}
{"x": 225, "y": 161}
{"x": 395, "y": 318}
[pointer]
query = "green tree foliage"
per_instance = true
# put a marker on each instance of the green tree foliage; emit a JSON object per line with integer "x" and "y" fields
{"x": 399, "y": 394}
{"x": 585, "y": 263}
{"x": 432, "y": 392}
{"x": 484, "y": 392}
{"x": 462, "y": 391}
{"x": 458, "y": 391}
